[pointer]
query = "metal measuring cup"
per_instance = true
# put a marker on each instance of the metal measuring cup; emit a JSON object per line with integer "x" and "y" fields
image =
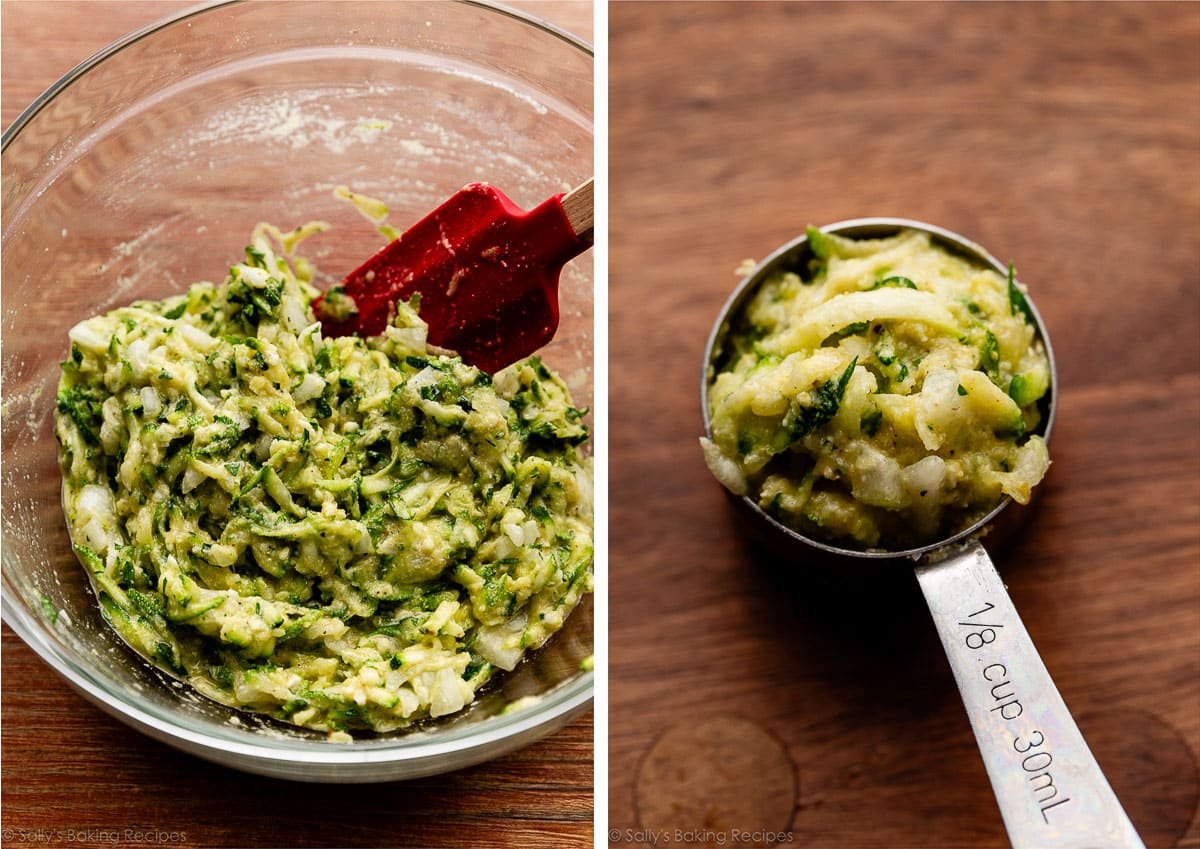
{"x": 1050, "y": 790}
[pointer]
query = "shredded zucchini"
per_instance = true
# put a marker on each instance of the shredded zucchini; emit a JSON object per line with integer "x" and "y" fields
{"x": 885, "y": 396}
{"x": 341, "y": 533}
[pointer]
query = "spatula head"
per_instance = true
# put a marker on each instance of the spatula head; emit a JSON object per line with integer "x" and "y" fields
{"x": 486, "y": 272}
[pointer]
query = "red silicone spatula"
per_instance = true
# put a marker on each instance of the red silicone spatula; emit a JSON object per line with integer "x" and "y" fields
{"x": 486, "y": 270}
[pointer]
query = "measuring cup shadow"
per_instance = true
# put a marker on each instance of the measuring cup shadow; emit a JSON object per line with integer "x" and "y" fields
{"x": 857, "y": 636}
{"x": 866, "y": 632}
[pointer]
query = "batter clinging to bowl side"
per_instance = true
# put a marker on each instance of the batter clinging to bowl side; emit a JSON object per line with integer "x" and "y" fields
{"x": 884, "y": 396}
{"x": 343, "y": 533}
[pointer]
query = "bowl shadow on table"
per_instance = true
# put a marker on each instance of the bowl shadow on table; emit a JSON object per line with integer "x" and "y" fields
{"x": 544, "y": 788}
{"x": 444, "y": 809}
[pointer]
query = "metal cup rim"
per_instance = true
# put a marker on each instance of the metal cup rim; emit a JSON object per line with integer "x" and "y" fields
{"x": 872, "y": 227}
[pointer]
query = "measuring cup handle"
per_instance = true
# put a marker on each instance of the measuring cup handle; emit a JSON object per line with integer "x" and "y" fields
{"x": 1050, "y": 789}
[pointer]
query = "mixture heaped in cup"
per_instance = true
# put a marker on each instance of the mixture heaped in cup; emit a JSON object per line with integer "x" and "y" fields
{"x": 341, "y": 533}
{"x": 885, "y": 396}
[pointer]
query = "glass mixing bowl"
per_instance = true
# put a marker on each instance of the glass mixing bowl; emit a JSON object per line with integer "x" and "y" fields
{"x": 145, "y": 169}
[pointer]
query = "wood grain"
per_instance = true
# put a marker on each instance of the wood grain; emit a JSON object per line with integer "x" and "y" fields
{"x": 72, "y": 775}
{"x": 1063, "y": 136}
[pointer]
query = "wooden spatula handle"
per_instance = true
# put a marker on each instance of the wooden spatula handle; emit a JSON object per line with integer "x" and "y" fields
{"x": 579, "y": 205}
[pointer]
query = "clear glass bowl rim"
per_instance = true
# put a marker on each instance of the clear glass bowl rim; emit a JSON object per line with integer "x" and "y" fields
{"x": 556, "y": 704}
{"x": 43, "y": 99}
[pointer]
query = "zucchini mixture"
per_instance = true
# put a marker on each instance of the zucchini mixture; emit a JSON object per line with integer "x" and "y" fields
{"x": 341, "y": 533}
{"x": 884, "y": 397}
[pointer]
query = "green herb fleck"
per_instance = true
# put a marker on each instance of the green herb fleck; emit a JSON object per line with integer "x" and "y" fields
{"x": 849, "y": 330}
{"x": 825, "y": 402}
{"x": 818, "y": 242}
{"x": 895, "y": 281}
{"x": 989, "y": 355}
{"x": 1017, "y": 302}
{"x": 255, "y": 257}
{"x": 870, "y": 422}
{"x": 48, "y": 609}
{"x": 84, "y": 407}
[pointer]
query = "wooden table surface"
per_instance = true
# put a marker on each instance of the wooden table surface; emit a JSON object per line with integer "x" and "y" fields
{"x": 71, "y": 775}
{"x": 1063, "y": 136}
